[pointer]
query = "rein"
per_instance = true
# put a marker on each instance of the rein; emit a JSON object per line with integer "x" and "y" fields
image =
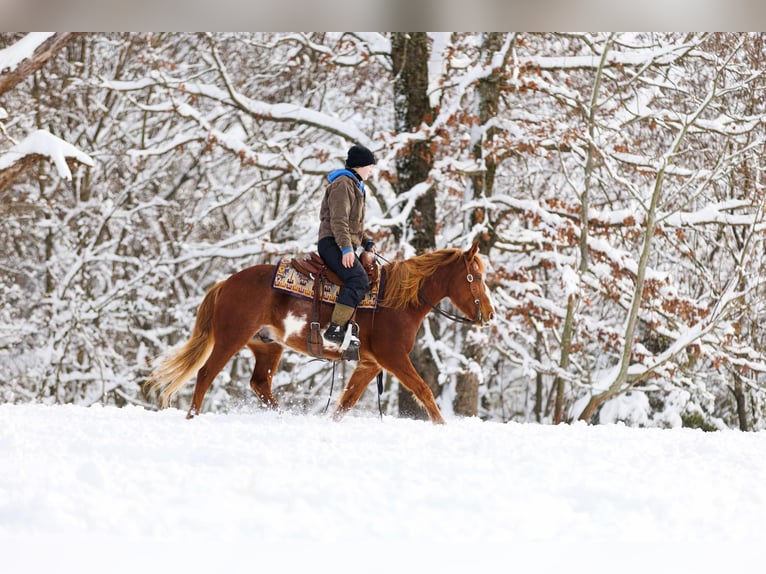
{"x": 447, "y": 314}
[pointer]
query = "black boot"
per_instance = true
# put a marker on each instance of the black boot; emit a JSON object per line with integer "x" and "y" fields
{"x": 334, "y": 334}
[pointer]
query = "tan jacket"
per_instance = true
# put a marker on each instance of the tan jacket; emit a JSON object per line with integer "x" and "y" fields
{"x": 342, "y": 213}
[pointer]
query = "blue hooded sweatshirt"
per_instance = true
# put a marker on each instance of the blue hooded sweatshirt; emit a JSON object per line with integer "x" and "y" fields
{"x": 335, "y": 174}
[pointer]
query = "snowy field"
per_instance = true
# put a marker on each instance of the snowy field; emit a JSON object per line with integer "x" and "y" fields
{"x": 129, "y": 490}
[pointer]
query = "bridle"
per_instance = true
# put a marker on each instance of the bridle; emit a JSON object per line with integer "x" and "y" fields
{"x": 473, "y": 284}
{"x": 471, "y": 278}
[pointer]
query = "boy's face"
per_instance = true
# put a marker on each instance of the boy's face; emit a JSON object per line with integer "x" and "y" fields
{"x": 365, "y": 171}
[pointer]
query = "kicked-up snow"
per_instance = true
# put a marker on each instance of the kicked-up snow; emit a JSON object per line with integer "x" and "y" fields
{"x": 130, "y": 490}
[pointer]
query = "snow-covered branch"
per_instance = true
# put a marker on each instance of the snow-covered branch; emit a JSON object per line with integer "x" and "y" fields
{"x": 28, "y": 55}
{"x": 36, "y": 146}
{"x": 283, "y": 112}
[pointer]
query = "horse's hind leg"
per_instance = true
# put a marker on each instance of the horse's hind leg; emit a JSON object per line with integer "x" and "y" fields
{"x": 206, "y": 375}
{"x": 267, "y": 356}
{"x": 364, "y": 373}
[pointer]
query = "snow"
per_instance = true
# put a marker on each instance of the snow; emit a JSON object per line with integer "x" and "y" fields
{"x": 17, "y": 52}
{"x": 377, "y": 42}
{"x": 571, "y": 281}
{"x": 46, "y": 144}
{"x": 436, "y": 65}
{"x": 107, "y": 489}
{"x": 278, "y": 112}
{"x": 662, "y": 55}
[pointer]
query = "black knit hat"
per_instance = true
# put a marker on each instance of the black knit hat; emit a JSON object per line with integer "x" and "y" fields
{"x": 359, "y": 156}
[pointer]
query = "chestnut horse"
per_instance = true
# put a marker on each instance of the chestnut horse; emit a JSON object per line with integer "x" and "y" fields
{"x": 245, "y": 310}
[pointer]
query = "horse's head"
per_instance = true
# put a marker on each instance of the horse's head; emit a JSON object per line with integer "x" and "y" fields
{"x": 468, "y": 290}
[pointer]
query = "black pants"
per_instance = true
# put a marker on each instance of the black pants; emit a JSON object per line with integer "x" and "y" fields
{"x": 355, "y": 278}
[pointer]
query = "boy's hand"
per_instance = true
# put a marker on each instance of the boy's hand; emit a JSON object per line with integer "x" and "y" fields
{"x": 348, "y": 259}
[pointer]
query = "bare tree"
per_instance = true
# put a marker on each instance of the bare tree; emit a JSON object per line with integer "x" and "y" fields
{"x": 412, "y": 110}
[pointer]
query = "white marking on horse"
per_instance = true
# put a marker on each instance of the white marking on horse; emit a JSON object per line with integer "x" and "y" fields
{"x": 293, "y": 325}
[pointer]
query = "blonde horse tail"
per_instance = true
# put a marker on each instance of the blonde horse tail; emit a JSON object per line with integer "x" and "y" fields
{"x": 180, "y": 364}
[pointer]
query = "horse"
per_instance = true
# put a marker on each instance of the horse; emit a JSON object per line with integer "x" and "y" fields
{"x": 245, "y": 310}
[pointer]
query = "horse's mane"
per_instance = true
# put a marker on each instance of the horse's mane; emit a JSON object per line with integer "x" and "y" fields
{"x": 404, "y": 278}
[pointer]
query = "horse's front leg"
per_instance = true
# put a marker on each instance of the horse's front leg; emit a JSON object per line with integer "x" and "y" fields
{"x": 364, "y": 373}
{"x": 402, "y": 368}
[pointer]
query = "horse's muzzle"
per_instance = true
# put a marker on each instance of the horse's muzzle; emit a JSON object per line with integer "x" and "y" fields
{"x": 484, "y": 320}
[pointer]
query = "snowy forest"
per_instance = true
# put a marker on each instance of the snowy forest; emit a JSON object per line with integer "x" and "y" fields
{"x": 612, "y": 180}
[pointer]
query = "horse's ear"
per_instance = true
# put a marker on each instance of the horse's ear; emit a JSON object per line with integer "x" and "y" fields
{"x": 472, "y": 251}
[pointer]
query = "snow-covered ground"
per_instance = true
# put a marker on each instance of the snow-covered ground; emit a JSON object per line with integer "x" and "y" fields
{"x": 130, "y": 490}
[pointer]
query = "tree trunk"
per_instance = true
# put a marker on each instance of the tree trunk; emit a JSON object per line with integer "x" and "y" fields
{"x": 466, "y": 401}
{"x": 621, "y": 383}
{"x": 481, "y": 185}
{"x": 739, "y": 398}
{"x": 409, "y": 54}
{"x": 573, "y": 300}
{"x": 412, "y": 109}
{"x": 489, "y": 99}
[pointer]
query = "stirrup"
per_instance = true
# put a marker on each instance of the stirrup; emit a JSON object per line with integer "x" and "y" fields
{"x": 349, "y": 349}
{"x": 350, "y": 339}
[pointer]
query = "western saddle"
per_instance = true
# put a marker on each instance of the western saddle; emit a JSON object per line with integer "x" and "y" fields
{"x": 314, "y": 266}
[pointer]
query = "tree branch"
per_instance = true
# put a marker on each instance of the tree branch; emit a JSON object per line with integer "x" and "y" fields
{"x": 38, "y": 58}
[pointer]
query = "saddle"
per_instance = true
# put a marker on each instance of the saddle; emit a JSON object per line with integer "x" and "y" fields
{"x": 314, "y": 266}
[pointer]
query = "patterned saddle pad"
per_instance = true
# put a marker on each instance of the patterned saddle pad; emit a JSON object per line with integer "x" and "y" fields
{"x": 287, "y": 278}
